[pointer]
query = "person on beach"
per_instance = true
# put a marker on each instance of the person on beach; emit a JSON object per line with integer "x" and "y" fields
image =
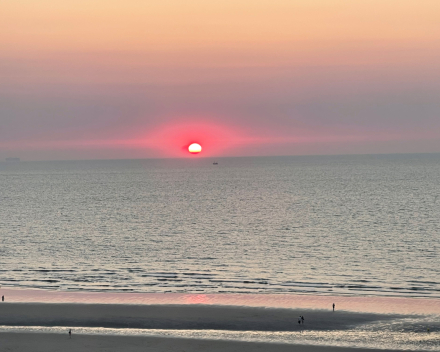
{"x": 70, "y": 333}
{"x": 302, "y": 319}
{"x": 3, "y": 298}
{"x": 333, "y": 307}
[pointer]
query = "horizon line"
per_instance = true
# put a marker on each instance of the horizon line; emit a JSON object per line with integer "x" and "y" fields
{"x": 221, "y": 157}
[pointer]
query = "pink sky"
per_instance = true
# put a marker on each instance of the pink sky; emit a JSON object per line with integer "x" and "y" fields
{"x": 141, "y": 79}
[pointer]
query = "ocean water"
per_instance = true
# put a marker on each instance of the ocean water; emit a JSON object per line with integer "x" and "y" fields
{"x": 388, "y": 338}
{"x": 322, "y": 225}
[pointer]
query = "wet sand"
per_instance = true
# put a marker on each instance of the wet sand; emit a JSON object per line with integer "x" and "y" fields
{"x": 200, "y": 317}
{"x": 16, "y": 315}
{"x": 364, "y": 304}
{"x": 40, "y": 342}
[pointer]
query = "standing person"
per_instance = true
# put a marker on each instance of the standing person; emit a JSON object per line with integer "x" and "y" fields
{"x": 302, "y": 319}
{"x": 70, "y": 333}
{"x": 333, "y": 307}
{"x": 3, "y": 298}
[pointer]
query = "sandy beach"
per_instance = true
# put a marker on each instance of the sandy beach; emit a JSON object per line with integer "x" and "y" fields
{"x": 36, "y": 342}
{"x": 201, "y": 317}
{"x": 27, "y": 327}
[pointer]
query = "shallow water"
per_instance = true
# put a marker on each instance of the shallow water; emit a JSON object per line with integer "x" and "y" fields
{"x": 360, "y": 338}
{"x": 338, "y": 225}
{"x": 360, "y": 304}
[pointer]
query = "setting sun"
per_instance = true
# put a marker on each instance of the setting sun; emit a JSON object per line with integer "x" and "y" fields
{"x": 195, "y": 148}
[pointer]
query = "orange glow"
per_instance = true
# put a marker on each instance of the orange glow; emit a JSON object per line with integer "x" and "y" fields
{"x": 196, "y": 299}
{"x": 141, "y": 79}
{"x": 195, "y": 148}
{"x": 173, "y": 138}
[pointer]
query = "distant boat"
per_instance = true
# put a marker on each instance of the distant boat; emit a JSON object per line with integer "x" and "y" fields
{"x": 215, "y": 163}
{"x": 12, "y": 159}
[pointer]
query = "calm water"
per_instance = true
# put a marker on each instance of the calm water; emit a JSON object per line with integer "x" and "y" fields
{"x": 357, "y": 225}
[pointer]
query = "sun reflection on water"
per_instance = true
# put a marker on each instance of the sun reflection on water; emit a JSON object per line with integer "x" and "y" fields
{"x": 393, "y": 340}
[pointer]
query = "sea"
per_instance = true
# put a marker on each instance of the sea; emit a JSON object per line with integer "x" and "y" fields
{"x": 346, "y": 226}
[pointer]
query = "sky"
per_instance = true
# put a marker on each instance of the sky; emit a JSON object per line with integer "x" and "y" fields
{"x": 112, "y": 79}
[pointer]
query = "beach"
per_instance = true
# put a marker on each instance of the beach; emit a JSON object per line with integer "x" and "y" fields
{"x": 106, "y": 319}
{"x": 178, "y": 317}
{"x": 43, "y": 326}
{"x": 87, "y": 343}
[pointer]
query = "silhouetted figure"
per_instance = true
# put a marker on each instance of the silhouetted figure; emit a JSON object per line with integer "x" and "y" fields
{"x": 302, "y": 319}
{"x": 333, "y": 307}
{"x": 3, "y": 298}
{"x": 70, "y": 333}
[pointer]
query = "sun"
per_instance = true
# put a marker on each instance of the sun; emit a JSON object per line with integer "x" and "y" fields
{"x": 195, "y": 148}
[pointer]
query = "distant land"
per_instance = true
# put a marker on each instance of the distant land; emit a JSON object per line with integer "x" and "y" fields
{"x": 12, "y": 159}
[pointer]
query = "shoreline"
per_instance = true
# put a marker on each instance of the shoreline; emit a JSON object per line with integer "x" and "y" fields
{"x": 364, "y": 304}
{"x": 96, "y": 343}
{"x": 213, "y": 327}
{"x": 182, "y": 317}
